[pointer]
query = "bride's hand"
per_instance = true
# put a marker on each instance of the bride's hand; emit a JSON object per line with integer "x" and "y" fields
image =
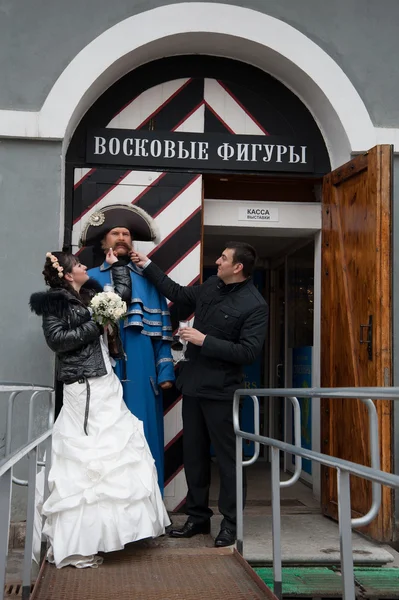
{"x": 111, "y": 258}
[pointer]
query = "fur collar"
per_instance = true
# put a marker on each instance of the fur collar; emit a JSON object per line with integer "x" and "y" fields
{"x": 52, "y": 302}
{"x": 55, "y": 301}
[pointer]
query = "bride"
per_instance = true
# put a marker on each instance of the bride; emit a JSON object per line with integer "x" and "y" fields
{"x": 103, "y": 481}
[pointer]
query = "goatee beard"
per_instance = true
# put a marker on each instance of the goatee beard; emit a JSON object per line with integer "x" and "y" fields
{"x": 124, "y": 259}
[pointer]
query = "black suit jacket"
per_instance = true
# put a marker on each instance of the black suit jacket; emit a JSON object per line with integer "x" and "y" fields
{"x": 234, "y": 318}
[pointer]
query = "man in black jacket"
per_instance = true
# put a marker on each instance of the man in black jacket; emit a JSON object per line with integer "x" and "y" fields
{"x": 229, "y": 330}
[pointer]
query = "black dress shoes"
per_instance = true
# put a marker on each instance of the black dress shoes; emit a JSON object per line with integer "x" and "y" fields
{"x": 190, "y": 529}
{"x": 226, "y": 537}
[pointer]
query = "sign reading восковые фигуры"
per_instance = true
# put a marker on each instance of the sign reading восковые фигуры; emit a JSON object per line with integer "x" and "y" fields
{"x": 198, "y": 151}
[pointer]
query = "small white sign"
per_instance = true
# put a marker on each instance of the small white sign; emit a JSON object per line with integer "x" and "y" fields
{"x": 257, "y": 213}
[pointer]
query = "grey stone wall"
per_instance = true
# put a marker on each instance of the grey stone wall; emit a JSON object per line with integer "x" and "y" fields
{"x": 30, "y": 192}
{"x": 38, "y": 40}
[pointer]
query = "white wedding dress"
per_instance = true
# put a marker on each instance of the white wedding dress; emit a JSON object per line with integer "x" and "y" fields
{"x": 103, "y": 486}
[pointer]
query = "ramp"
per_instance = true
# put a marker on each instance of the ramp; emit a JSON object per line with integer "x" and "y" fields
{"x": 156, "y": 574}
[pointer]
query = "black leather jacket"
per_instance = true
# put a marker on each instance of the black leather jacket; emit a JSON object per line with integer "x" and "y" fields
{"x": 70, "y": 333}
{"x": 69, "y": 330}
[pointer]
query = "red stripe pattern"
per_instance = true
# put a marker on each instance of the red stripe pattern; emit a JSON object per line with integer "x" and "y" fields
{"x": 175, "y": 202}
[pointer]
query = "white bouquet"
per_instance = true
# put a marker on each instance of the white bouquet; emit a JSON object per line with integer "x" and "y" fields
{"x": 107, "y": 308}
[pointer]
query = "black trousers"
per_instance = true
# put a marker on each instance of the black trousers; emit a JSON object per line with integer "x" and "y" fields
{"x": 207, "y": 421}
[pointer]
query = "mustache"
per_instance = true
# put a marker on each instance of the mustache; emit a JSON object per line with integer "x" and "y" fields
{"x": 122, "y": 245}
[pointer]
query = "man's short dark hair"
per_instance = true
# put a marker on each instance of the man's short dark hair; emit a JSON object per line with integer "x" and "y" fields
{"x": 244, "y": 254}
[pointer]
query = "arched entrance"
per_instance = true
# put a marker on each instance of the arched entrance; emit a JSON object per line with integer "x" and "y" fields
{"x": 255, "y": 126}
{"x": 343, "y": 126}
{"x": 220, "y": 30}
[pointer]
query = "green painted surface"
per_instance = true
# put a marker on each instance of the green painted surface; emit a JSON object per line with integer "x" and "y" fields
{"x": 321, "y": 581}
{"x": 381, "y": 582}
{"x": 305, "y": 581}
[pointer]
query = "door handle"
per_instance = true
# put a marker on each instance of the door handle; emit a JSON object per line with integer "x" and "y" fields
{"x": 369, "y": 339}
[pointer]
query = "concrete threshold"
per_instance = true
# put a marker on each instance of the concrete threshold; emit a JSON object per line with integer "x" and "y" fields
{"x": 309, "y": 539}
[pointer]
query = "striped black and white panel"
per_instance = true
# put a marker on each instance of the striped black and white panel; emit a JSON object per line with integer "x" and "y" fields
{"x": 174, "y": 200}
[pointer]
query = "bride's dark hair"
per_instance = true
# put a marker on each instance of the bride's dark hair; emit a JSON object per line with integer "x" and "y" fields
{"x": 52, "y": 274}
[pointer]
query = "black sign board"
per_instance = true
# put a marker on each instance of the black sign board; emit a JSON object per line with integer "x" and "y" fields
{"x": 197, "y": 151}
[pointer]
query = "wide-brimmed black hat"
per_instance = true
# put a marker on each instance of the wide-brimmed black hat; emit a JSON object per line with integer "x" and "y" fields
{"x": 141, "y": 226}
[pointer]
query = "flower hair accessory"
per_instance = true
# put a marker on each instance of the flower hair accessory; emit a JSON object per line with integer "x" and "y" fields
{"x": 55, "y": 264}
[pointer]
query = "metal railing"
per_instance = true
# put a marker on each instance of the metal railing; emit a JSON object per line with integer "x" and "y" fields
{"x": 30, "y": 449}
{"x": 344, "y": 469}
{"x": 297, "y": 440}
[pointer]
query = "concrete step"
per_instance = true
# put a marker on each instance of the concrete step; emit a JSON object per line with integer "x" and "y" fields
{"x": 305, "y": 539}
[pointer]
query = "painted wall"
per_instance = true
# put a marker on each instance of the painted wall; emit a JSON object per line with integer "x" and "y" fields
{"x": 38, "y": 40}
{"x": 30, "y": 192}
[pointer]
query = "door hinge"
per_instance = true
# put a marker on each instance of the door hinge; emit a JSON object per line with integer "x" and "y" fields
{"x": 369, "y": 339}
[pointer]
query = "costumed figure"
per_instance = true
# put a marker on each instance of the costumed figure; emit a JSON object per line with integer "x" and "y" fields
{"x": 103, "y": 481}
{"x": 146, "y": 331}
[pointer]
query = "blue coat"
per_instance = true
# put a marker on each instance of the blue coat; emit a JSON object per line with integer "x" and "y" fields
{"x": 146, "y": 335}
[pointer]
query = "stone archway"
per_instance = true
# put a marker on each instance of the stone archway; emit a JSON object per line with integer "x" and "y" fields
{"x": 220, "y": 30}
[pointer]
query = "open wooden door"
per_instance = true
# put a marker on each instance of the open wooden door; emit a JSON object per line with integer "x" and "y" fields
{"x": 356, "y": 304}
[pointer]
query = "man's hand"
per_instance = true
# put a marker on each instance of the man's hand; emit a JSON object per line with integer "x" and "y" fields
{"x": 111, "y": 257}
{"x": 189, "y": 334}
{"x": 165, "y": 385}
{"x": 138, "y": 258}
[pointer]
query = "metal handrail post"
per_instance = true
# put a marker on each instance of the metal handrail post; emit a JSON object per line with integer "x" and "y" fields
{"x": 255, "y": 457}
{"x": 297, "y": 436}
{"x": 46, "y": 493}
{"x": 50, "y": 422}
{"x": 12, "y": 389}
{"x": 47, "y": 467}
{"x": 240, "y": 496}
{"x": 24, "y": 482}
{"x": 10, "y": 410}
{"x": 276, "y": 524}
{"x": 30, "y": 518}
{"x": 297, "y": 442}
{"x": 375, "y": 463}
{"x": 239, "y": 476}
{"x": 5, "y": 516}
{"x": 30, "y": 413}
{"x": 16, "y": 480}
{"x": 345, "y": 534}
